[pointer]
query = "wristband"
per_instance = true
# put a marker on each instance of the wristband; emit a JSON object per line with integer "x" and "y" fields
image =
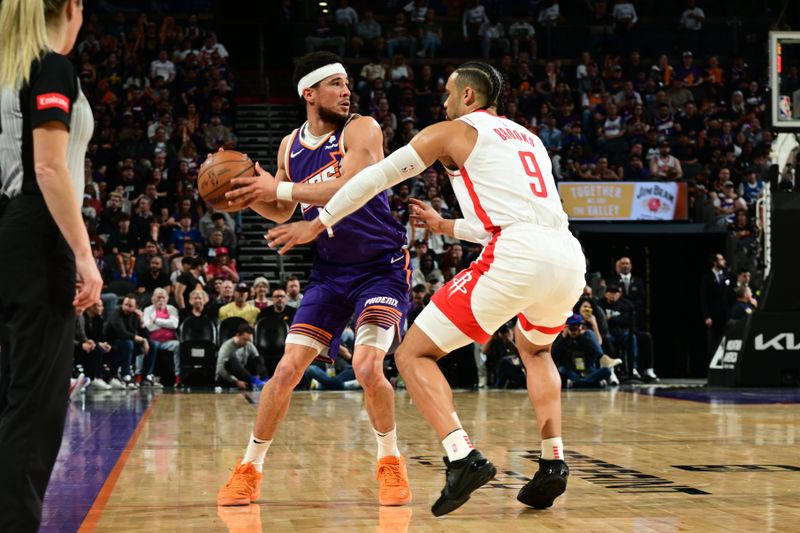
{"x": 284, "y": 191}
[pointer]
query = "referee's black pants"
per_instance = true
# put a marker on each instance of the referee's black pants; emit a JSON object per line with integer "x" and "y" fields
{"x": 37, "y": 327}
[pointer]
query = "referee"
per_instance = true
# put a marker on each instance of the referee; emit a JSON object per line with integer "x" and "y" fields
{"x": 45, "y": 125}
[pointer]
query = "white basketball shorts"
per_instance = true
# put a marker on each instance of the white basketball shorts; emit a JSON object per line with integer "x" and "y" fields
{"x": 534, "y": 273}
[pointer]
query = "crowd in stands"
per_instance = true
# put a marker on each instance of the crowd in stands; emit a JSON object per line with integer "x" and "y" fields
{"x": 162, "y": 93}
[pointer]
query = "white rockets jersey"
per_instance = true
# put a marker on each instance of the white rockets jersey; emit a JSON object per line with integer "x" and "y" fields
{"x": 507, "y": 178}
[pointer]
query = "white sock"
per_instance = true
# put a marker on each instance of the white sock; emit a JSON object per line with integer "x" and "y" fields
{"x": 553, "y": 448}
{"x": 457, "y": 445}
{"x": 256, "y": 450}
{"x": 387, "y": 443}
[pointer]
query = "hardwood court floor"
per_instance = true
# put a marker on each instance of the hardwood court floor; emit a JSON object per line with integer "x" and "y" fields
{"x": 639, "y": 463}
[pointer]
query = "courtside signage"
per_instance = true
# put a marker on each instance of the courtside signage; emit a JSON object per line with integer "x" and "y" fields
{"x": 644, "y": 200}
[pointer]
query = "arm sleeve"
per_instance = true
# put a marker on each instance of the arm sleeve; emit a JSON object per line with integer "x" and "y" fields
{"x": 54, "y": 88}
{"x": 402, "y": 164}
{"x": 466, "y": 231}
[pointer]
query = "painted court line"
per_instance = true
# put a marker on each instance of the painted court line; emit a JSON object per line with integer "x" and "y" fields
{"x": 93, "y": 516}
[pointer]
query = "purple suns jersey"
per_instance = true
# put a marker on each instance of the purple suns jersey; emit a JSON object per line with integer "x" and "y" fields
{"x": 363, "y": 236}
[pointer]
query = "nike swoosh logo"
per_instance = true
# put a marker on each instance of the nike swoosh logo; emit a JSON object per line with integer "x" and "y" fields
{"x": 295, "y": 154}
{"x": 396, "y": 259}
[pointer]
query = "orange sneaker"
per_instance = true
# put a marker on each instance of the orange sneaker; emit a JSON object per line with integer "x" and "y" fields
{"x": 243, "y": 487}
{"x": 393, "y": 480}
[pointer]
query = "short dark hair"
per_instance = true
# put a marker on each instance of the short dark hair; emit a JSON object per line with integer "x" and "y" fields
{"x": 419, "y": 287}
{"x": 244, "y": 328}
{"x": 485, "y": 80}
{"x": 311, "y": 62}
{"x": 217, "y": 216}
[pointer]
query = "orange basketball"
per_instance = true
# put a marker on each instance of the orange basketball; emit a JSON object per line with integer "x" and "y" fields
{"x": 216, "y": 173}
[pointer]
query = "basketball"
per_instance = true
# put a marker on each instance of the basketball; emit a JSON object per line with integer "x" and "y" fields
{"x": 216, "y": 173}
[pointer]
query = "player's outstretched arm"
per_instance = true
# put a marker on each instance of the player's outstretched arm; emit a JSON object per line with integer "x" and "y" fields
{"x": 404, "y": 163}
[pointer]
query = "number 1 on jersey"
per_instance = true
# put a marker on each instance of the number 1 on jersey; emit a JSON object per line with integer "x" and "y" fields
{"x": 532, "y": 170}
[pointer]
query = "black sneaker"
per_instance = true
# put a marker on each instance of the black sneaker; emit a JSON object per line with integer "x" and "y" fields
{"x": 547, "y": 484}
{"x": 462, "y": 478}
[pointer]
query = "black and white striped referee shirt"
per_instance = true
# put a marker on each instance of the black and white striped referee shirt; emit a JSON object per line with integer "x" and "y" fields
{"x": 53, "y": 93}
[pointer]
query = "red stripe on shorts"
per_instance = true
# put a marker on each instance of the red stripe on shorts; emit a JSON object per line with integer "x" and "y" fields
{"x": 527, "y": 326}
{"x": 454, "y": 299}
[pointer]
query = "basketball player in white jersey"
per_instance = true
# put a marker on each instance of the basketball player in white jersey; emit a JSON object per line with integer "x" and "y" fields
{"x": 531, "y": 267}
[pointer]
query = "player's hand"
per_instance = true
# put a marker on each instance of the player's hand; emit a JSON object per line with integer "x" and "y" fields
{"x": 241, "y": 384}
{"x": 286, "y": 236}
{"x": 422, "y": 212}
{"x": 263, "y": 187}
{"x": 91, "y": 282}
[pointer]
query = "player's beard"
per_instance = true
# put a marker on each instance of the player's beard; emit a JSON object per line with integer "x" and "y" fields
{"x": 331, "y": 117}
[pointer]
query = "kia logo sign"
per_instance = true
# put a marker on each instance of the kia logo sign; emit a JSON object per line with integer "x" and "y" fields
{"x": 780, "y": 342}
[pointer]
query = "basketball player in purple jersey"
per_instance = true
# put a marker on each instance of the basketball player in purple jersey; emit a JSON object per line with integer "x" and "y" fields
{"x": 360, "y": 269}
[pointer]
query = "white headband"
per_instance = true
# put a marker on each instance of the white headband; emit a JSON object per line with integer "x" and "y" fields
{"x": 318, "y": 75}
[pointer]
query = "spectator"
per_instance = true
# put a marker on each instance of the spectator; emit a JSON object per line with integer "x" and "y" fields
{"x": 692, "y": 17}
{"x": 368, "y": 32}
{"x": 127, "y": 337}
{"x": 239, "y": 306}
{"x": 522, "y": 32}
{"x": 625, "y": 19}
{"x": 493, "y": 34}
{"x": 714, "y": 300}
{"x": 743, "y": 305}
{"x": 293, "y": 294}
{"x": 427, "y": 269}
{"x": 688, "y": 73}
{"x": 678, "y": 94}
{"x": 161, "y": 321}
{"x": 550, "y": 14}
{"x": 260, "y": 294}
{"x": 197, "y": 309}
{"x": 620, "y": 315}
{"x": 472, "y": 19}
{"x": 346, "y": 17}
{"x": 750, "y": 189}
{"x": 163, "y": 67}
{"x": 209, "y": 221}
{"x": 430, "y": 35}
{"x": 417, "y": 10}
{"x": 90, "y": 350}
{"x": 635, "y": 170}
{"x": 216, "y": 135}
{"x": 632, "y": 287}
{"x": 188, "y": 281}
{"x": 577, "y": 356}
{"x": 185, "y": 232}
{"x": 400, "y": 36}
{"x": 279, "y": 307}
{"x": 211, "y": 47}
{"x": 222, "y": 266}
{"x": 665, "y": 166}
{"x": 499, "y": 346}
{"x": 419, "y": 299}
{"x": 155, "y": 278}
{"x": 239, "y": 363}
{"x": 122, "y": 240}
